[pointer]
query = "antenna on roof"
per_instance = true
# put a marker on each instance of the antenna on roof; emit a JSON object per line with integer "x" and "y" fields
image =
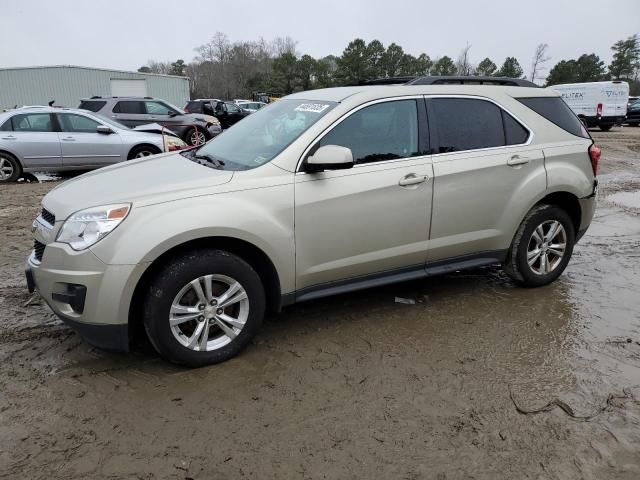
{"x": 51, "y": 103}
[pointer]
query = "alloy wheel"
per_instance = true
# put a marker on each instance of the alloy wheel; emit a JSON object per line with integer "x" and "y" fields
{"x": 547, "y": 247}
{"x": 6, "y": 169}
{"x": 197, "y": 138}
{"x": 209, "y": 312}
{"x": 143, "y": 153}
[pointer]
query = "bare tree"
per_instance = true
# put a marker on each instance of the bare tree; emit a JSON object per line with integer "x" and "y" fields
{"x": 282, "y": 45}
{"x": 537, "y": 65}
{"x": 154, "y": 66}
{"x": 463, "y": 65}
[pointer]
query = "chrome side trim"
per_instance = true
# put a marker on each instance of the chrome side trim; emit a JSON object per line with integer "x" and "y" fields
{"x": 433, "y": 156}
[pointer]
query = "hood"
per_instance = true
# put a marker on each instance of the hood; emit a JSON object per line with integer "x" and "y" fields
{"x": 142, "y": 182}
{"x": 199, "y": 116}
{"x": 153, "y": 128}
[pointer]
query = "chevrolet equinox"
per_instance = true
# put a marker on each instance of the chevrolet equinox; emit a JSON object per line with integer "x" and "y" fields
{"x": 319, "y": 193}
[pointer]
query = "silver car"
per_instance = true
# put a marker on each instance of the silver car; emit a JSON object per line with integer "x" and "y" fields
{"x": 324, "y": 192}
{"x": 39, "y": 139}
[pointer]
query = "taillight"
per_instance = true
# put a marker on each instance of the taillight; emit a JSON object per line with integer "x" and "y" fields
{"x": 599, "y": 110}
{"x": 594, "y": 155}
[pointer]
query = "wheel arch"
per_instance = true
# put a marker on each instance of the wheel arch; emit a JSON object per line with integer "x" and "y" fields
{"x": 568, "y": 202}
{"x": 138, "y": 146}
{"x": 253, "y": 255}
{"x": 13, "y": 155}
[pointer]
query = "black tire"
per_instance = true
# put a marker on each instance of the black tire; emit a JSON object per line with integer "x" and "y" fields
{"x": 605, "y": 128}
{"x": 143, "y": 151}
{"x": 516, "y": 264}
{"x": 634, "y": 124}
{"x": 195, "y": 137}
{"x": 173, "y": 277}
{"x": 11, "y": 170}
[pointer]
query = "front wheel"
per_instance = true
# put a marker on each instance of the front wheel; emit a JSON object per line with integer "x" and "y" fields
{"x": 203, "y": 307}
{"x": 142, "y": 151}
{"x": 605, "y": 128}
{"x": 195, "y": 137}
{"x": 542, "y": 246}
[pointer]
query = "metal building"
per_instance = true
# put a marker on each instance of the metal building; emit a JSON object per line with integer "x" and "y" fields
{"x": 67, "y": 84}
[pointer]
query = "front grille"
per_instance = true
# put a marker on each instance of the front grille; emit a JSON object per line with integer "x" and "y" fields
{"x": 49, "y": 217}
{"x": 38, "y": 248}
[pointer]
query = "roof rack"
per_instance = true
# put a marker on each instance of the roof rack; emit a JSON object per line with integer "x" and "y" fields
{"x": 387, "y": 81}
{"x": 471, "y": 80}
{"x": 448, "y": 80}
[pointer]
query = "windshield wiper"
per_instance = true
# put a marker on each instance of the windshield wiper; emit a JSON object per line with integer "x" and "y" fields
{"x": 210, "y": 159}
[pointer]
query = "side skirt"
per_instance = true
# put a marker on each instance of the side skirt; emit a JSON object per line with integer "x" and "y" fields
{"x": 482, "y": 259}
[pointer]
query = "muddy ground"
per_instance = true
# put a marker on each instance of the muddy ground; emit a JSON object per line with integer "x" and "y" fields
{"x": 356, "y": 386}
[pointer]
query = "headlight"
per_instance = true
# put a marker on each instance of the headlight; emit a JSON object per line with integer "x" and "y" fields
{"x": 87, "y": 227}
{"x": 210, "y": 119}
{"x": 172, "y": 143}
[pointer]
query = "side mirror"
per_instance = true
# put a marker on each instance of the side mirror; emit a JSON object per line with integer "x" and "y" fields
{"x": 174, "y": 114}
{"x": 329, "y": 157}
{"x": 103, "y": 129}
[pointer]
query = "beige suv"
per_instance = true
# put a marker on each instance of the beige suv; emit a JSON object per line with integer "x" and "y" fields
{"x": 321, "y": 192}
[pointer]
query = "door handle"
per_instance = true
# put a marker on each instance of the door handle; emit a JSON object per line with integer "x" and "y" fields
{"x": 516, "y": 160}
{"x": 412, "y": 179}
{"x": 68, "y": 139}
{"x": 9, "y": 137}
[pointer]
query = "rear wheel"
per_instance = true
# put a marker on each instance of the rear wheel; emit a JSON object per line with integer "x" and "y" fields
{"x": 142, "y": 151}
{"x": 203, "y": 307}
{"x": 542, "y": 246}
{"x": 605, "y": 128}
{"x": 10, "y": 169}
{"x": 195, "y": 137}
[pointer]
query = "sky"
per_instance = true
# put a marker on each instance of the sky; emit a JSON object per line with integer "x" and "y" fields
{"x": 125, "y": 34}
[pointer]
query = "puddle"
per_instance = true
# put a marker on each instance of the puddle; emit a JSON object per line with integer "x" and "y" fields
{"x": 626, "y": 199}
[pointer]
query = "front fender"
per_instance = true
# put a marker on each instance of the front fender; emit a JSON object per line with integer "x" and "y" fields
{"x": 263, "y": 217}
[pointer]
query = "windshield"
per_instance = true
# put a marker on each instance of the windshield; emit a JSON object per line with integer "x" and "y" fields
{"x": 258, "y": 138}
{"x": 110, "y": 121}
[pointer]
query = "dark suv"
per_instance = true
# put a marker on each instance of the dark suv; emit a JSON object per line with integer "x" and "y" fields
{"x": 633, "y": 114}
{"x": 227, "y": 113}
{"x": 134, "y": 111}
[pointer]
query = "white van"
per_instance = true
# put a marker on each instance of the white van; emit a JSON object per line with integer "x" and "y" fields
{"x": 597, "y": 104}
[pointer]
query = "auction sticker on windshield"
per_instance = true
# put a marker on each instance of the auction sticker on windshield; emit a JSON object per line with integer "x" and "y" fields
{"x": 312, "y": 107}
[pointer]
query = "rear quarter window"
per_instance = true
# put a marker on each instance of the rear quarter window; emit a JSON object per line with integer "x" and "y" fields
{"x": 92, "y": 105}
{"x": 557, "y": 112}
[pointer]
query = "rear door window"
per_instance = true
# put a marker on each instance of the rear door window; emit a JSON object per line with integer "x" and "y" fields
{"x": 32, "y": 122}
{"x": 467, "y": 124}
{"x": 384, "y": 131}
{"x": 92, "y": 105}
{"x": 129, "y": 106}
{"x": 558, "y": 112}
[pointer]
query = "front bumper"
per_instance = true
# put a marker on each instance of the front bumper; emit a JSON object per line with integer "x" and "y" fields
{"x": 214, "y": 130}
{"x": 87, "y": 294}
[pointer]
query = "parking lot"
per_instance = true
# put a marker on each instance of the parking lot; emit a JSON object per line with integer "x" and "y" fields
{"x": 435, "y": 385}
